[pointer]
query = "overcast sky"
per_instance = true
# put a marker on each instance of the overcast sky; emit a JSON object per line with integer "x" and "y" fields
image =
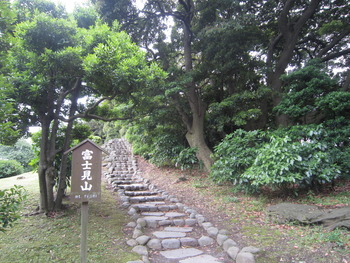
{"x": 70, "y": 4}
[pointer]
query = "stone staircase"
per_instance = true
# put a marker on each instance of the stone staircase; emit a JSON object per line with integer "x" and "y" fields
{"x": 164, "y": 229}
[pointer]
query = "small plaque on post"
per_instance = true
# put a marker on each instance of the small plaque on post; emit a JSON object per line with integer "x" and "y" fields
{"x": 86, "y": 172}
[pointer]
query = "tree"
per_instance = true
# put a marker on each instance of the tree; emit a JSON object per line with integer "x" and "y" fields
{"x": 9, "y": 132}
{"x": 303, "y": 30}
{"x": 194, "y": 115}
{"x": 52, "y": 59}
{"x": 225, "y": 59}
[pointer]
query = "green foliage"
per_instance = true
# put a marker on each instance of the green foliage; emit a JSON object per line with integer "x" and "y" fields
{"x": 187, "y": 158}
{"x": 237, "y": 109}
{"x": 10, "y": 200}
{"x": 336, "y": 103}
{"x": 81, "y": 131}
{"x": 85, "y": 16}
{"x": 21, "y": 152}
{"x": 46, "y": 32}
{"x": 10, "y": 168}
{"x": 161, "y": 144}
{"x": 308, "y": 90}
{"x": 295, "y": 158}
{"x": 165, "y": 150}
{"x": 277, "y": 164}
{"x": 235, "y": 154}
{"x": 283, "y": 164}
{"x": 27, "y": 9}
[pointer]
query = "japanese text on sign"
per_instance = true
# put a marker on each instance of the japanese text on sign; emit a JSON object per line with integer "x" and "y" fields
{"x": 87, "y": 155}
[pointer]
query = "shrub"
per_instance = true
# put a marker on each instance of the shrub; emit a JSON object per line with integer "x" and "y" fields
{"x": 21, "y": 152}
{"x": 10, "y": 199}
{"x": 276, "y": 164}
{"x": 187, "y": 158}
{"x": 298, "y": 157}
{"x": 10, "y": 168}
{"x": 235, "y": 154}
{"x": 283, "y": 163}
{"x": 165, "y": 150}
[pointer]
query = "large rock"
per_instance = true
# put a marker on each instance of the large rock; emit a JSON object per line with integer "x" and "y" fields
{"x": 308, "y": 214}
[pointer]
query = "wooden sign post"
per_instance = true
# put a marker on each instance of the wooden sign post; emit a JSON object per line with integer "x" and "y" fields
{"x": 86, "y": 183}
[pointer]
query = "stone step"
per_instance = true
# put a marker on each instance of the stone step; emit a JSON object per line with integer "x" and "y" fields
{"x": 143, "y": 199}
{"x": 201, "y": 259}
{"x": 126, "y": 175}
{"x": 148, "y": 207}
{"x": 181, "y": 253}
{"x": 125, "y": 182}
{"x": 140, "y": 193}
{"x": 133, "y": 187}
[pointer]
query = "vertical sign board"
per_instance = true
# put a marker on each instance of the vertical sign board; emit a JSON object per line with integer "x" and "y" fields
{"x": 86, "y": 172}
{"x": 85, "y": 183}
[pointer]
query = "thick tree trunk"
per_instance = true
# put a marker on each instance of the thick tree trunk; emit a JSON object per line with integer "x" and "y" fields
{"x": 195, "y": 138}
{"x": 195, "y": 126}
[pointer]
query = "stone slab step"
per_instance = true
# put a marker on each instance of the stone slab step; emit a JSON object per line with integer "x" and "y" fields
{"x": 174, "y": 214}
{"x": 143, "y": 199}
{"x": 167, "y": 234}
{"x": 178, "y": 229}
{"x": 140, "y": 193}
{"x": 201, "y": 259}
{"x": 119, "y": 182}
{"x": 181, "y": 253}
{"x": 133, "y": 187}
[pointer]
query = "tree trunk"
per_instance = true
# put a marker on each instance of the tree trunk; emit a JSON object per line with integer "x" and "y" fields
{"x": 289, "y": 34}
{"x": 195, "y": 129}
{"x": 67, "y": 140}
{"x": 45, "y": 126}
{"x": 50, "y": 183}
{"x": 346, "y": 84}
{"x": 195, "y": 138}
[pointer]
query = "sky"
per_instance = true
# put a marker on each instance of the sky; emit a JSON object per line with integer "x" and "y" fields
{"x": 70, "y": 4}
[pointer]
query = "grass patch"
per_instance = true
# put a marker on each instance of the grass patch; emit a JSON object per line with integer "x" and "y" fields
{"x": 57, "y": 239}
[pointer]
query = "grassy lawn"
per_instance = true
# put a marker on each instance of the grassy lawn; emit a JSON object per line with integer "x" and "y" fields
{"x": 38, "y": 238}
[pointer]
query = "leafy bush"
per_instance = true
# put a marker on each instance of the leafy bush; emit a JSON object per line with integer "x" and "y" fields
{"x": 235, "y": 154}
{"x": 283, "y": 163}
{"x": 10, "y": 168}
{"x": 277, "y": 163}
{"x": 10, "y": 199}
{"x": 21, "y": 152}
{"x": 187, "y": 158}
{"x": 298, "y": 157}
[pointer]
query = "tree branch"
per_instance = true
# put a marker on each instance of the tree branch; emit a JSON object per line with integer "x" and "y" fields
{"x": 335, "y": 55}
{"x": 283, "y": 18}
{"x": 335, "y": 41}
{"x": 309, "y": 11}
